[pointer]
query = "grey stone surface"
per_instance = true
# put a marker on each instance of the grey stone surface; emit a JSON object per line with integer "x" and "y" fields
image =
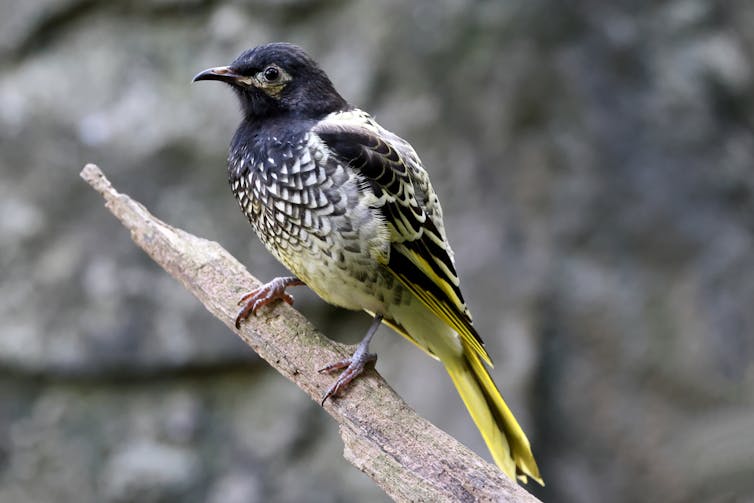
{"x": 596, "y": 165}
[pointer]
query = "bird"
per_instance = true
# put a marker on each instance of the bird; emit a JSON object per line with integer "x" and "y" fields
{"x": 349, "y": 209}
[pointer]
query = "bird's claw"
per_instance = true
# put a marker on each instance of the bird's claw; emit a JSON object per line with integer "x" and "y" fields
{"x": 265, "y": 294}
{"x": 353, "y": 366}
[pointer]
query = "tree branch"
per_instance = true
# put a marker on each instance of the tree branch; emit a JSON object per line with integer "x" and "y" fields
{"x": 408, "y": 457}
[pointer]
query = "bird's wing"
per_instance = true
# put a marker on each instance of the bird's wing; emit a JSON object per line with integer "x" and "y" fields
{"x": 425, "y": 194}
{"x": 420, "y": 256}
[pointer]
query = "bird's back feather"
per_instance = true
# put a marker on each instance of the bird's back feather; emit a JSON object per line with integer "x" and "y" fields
{"x": 420, "y": 256}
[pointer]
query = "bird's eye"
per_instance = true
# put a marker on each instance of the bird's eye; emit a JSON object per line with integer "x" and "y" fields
{"x": 271, "y": 74}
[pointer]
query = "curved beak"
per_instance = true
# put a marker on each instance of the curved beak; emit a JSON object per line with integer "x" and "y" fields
{"x": 221, "y": 73}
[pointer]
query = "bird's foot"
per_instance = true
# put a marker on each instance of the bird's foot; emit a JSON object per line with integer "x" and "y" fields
{"x": 266, "y": 294}
{"x": 354, "y": 365}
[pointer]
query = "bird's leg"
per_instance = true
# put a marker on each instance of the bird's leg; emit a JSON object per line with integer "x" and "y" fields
{"x": 354, "y": 365}
{"x": 265, "y": 294}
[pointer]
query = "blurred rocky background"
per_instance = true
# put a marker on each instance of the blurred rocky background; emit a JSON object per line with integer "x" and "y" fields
{"x": 596, "y": 164}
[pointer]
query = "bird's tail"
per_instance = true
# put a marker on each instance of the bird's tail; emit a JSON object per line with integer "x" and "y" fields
{"x": 504, "y": 437}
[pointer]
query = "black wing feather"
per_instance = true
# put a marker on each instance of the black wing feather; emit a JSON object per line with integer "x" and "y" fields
{"x": 418, "y": 256}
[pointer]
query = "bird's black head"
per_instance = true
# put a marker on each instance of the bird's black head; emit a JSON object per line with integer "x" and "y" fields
{"x": 277, "y": 80}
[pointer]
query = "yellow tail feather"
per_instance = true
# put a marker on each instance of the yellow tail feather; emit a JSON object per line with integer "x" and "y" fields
{"x": 501, "y": 432}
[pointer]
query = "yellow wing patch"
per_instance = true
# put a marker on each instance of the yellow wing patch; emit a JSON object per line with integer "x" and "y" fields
{"x": 453, "y": 315}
